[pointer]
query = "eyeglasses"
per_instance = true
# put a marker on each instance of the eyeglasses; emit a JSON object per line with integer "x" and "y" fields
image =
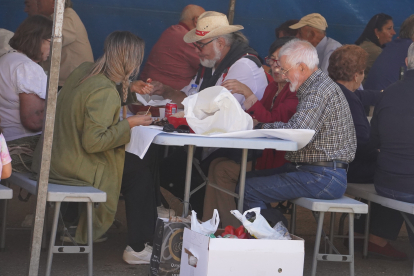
{"x": 200, "y": 45}
{"x": 284, "y": 72}
{"x": 270, "y": 61}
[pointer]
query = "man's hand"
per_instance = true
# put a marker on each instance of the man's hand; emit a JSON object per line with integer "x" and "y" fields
{"x": 141, "y": 87}
{"x": 139, "y": 120}
{"x": 234, "y": 86}
{"x": 257, "y": 124}
{"x": 158, "y": 88}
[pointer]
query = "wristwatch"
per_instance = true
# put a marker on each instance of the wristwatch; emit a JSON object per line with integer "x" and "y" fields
{"x": 259, "y": 126}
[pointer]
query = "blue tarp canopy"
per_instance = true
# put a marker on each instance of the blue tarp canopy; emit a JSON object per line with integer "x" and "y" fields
{"x": 148, "y": 19}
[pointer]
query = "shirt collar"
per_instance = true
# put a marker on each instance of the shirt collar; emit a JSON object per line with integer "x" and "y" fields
{"x": 309, "y": 82}
{"x": 321, "y": 46}
{"x": 185, "y": 26}
{"x": 409, "y": 74}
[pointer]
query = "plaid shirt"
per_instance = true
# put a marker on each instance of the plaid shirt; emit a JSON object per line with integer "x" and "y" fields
{"x": 323, "y": 108}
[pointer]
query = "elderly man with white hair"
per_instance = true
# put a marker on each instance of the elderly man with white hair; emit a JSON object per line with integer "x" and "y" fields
{"x": 319, "y": 169}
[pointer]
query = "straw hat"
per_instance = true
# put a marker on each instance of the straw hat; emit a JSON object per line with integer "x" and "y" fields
{"x": 314, "y": 20}
{"x": 211, "y": 24}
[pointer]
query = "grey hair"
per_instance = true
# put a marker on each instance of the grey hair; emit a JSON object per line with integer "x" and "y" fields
{"x": 410, "y": 57}
{"x": 68, "y": 4}
{"x": 300, "y": 51}
{"x": 407, "y": 28}
{"x": 232, "y": 37}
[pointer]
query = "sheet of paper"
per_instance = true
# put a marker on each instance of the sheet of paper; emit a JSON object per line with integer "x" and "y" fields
{"x": 142, "y": 137}
{"x": 152, "y": 102}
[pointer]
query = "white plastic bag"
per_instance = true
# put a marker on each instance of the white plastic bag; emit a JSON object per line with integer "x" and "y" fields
{"x": 260, "y": 228}
{"x": 215, "y": 110}
{"x": 206, "y": 228}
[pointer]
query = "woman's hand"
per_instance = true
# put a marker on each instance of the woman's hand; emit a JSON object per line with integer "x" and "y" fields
{"x": 234, "y": 86}
{"x": 141, "y": 87}
{"x": 139, "y": 120}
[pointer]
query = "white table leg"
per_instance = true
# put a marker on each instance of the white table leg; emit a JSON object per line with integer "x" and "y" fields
{"x": 242, "y": 180}
{"x": 188, "y": 180}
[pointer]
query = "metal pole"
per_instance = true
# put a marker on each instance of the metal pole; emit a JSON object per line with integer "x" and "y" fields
{"x": 231, "y": 11}
{"x": 47, "y": 136}
{"x": 242, "y": 181}
{"x": 187, "y": 188}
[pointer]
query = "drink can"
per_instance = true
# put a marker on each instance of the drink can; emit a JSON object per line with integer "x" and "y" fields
{"x": 170, "y": 109}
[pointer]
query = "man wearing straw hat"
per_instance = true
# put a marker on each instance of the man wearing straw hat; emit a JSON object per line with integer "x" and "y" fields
{"x": 224, "y": 54}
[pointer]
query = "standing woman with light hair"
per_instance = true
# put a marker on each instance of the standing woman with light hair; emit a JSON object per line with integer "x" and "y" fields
{"x": 89, "y": 139}
{"x": 76, "y": 48}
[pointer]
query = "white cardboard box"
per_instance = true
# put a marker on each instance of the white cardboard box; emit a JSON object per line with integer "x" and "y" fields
{"x": 250, "y": 257}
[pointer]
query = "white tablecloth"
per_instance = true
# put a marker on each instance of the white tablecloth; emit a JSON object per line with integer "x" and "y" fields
{"x": 142, "y": 137}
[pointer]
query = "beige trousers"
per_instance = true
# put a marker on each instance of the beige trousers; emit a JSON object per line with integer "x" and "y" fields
{"x": 225, "y": 173}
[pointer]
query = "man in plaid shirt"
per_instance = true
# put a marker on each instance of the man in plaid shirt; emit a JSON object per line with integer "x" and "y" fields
{"x": 319, "y": 169}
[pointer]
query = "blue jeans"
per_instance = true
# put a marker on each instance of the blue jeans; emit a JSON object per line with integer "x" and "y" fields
{"x": 401, "y": 197}
{"x": 291, "y": 181}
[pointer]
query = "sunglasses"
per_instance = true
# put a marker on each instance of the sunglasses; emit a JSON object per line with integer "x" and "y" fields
{"x": 179, "y": 129}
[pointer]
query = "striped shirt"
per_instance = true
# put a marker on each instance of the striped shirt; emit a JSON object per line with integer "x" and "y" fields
{"x": 323, "y": 108}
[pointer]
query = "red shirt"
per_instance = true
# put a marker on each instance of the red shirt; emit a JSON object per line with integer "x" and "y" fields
{"x": 172, "y": 61}
{"x": 283, "y": 109}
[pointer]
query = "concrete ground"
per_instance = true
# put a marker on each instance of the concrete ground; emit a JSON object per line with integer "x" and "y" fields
{"x": 108, "y": 255}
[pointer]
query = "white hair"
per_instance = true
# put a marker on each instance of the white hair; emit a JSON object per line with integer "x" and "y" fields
{"x": 210, "y": 63}
{"x": 300, "y": 51}
{"x": 236, "y": 36}
{"x": 410, "y": 57}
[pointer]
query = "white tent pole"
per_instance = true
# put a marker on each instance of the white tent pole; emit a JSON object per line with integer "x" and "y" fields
{"x": 47, "y": 137}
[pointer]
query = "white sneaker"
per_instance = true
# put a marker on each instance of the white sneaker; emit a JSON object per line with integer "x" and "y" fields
{"x": 165, "y": 213}
{"x": 132, "y": 257}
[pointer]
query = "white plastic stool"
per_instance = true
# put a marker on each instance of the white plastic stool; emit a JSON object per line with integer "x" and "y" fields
{"x": 321, "y": 206}
{"x": 64, "y": 193}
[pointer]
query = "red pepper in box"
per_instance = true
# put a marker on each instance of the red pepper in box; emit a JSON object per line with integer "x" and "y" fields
{"x": 229, "y": 230}
{"x": 240, "y": 231}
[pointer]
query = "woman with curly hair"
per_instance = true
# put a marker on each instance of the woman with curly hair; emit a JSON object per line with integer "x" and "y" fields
{"x": 346, "y": 68}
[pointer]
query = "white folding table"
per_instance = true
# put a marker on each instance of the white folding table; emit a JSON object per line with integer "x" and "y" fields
{"x": 221, "y": 142}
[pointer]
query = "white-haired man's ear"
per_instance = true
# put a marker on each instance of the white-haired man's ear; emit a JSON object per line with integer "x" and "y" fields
{"x": 406, "y": 61}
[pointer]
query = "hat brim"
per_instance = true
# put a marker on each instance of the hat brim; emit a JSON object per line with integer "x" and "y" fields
{"x": 297, "y": 25}
{"x": 191, "y": 36}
